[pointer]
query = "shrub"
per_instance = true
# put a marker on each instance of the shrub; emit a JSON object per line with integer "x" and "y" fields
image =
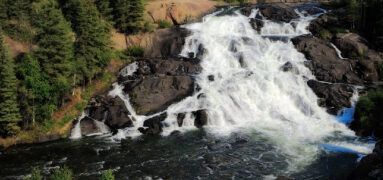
{"x": 36, "y": 175}
{"x": 369, "y": 114}
{"x": 325, "y": 34}
{"x": 135, "y": 51}
{"x": 164, "y": 24}
{"x": 107, "y": 175}
{"x": 62, "y": 174}
{"x": 148, "y": 27}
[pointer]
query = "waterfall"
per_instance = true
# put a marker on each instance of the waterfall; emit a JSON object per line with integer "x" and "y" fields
{"x": 250, "y": 92}
{"x": 338, "y": 52}
{"x": 76, "y": 131}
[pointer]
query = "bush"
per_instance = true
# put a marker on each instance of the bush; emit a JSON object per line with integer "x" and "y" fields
{"x": 62, "y": 174}
{"x": 36, "y": 175}
{"x": 325, "y": 34}
{"x": 164, "y": 24}
{"x": 135, "y": 51}
{"x": 107, "y": 175}
{"x": 148, "y": 27}
{"x": 369, "y": 114}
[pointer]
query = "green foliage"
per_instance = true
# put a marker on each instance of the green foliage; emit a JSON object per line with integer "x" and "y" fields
{"x": 62, "y": 174}
{"x": 80, "y": 106}
{"x": 92, "y": 49}
{"x": 55, "y": 41}
{"x": 37, "y": 88}
{"x": 148, "y": 27}
{"x": 128, "y": 15}
{"x": 164, "y": 24}
{"x": 107, "y": 175}
{"x": 325, "y": 34}
{"x": 105, "y": 9}
{"x": 120, "y": 55}
{"x": 36, "y": 175}
{"x": 135, "y": 51}
{"x": 337, "y": 30}
{"x": 9, "y": 108}
{"x": 369, "y": 114}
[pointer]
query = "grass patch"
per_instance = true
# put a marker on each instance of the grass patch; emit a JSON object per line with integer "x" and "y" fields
{"x": 135, "y": 51}
{"x": 162, "y": 24}
{"x": 149, "y": 27}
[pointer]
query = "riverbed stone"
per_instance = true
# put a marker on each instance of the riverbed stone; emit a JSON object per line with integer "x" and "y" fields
{"x": 153, "y": 126}
{"x": 201, "y": 118}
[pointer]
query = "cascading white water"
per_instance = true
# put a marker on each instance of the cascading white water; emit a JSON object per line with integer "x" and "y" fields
{"x": 251, "y": 92}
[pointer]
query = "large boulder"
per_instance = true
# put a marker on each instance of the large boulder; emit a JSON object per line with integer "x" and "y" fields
{"x": 111, "y": 111}
{"x": 153, "y": 126}
{"x": 325, "y": 63}
{"x": 323, "y": 23}
{"x": 354, "y": 46}
{"x": 278, "y": 12}
{"x": 370, "y": 166}
{"x": 159, "y": 83}
{"x": 201, "y": 118}
{"x": 88, "y": 126}
{"x": 332, "y": 96}
{"x": 156, "y": 93}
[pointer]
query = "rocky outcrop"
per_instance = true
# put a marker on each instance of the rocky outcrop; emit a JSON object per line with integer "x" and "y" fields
{"x": 111, "y": 111}
{"x": 160, "y": 43}
{"x": 324, "y": 62}
{"x": 153, "y": 126}
{"x": 178, "y": 12}
{"x": 159, "y": 83}
{"x": 277, "y": 12}
{"x": 332, "y": 96}
{"x": 88, "y": 126}
{"x": 201, "y": 118}
{"x": 354, "y": 46}
{"x": 371, "y": 166}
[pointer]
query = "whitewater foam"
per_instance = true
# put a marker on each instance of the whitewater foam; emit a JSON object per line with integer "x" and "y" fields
{"x": 250, "y": 92}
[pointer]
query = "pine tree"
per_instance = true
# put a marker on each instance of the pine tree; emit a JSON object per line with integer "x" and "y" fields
{"x": 120, "y": 14}
{"x": 105, "y": 9}
{"x": 55, "y": 41}
{"x": 92, "y": 49}
{"x": 135, "y": 16}
{"x": 9, "y": 109}
{"x": 35, "y": 92}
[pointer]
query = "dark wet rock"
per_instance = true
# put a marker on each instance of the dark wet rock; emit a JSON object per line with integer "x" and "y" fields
{"x": 180, "y": 119}
{"x": 332, "y": 96}
{"x": 175, "y": 133}
{"x": 110, "y": 110}
{"x": 88, "y": 126}
{"x": 200, "y": 118}
{"x": 156, "y": 93}
{"x": 117, "y": 114}
{"x": 370, "y": 166}
{"x": 167, "y": 42}
{"x": 367, "y": 70}
{"x": 354, "y": 46}
{"x": 314, "y": 10}
{"x": 288, "y": 67}
{"x": 257, "y": 24}
{"x": 210, "y": 77}
{"x": 201, "y": 51}
{"x": 170, "y": 80}
{"x": 325, "y": 63}
{"x": 323, "y": 23}
{"x": 278, "y": 12}
{"x": 153, "y": 126}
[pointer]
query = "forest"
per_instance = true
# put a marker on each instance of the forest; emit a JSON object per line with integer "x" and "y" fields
{"x": 71, "y": 40}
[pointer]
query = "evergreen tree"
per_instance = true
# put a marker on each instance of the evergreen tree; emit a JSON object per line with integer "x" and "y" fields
{"x": 9, "y": 109}
{"x": 105, "y": 9}
{"x": 92, "y": 49}
{"x": 135, "y": 16}
{"x": 36, "y": 90}
{"x": 120, "y": 14}
{"x": 55, "y": 41}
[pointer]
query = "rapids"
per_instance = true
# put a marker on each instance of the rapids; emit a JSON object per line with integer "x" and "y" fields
{"x": 262, "y": 121}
